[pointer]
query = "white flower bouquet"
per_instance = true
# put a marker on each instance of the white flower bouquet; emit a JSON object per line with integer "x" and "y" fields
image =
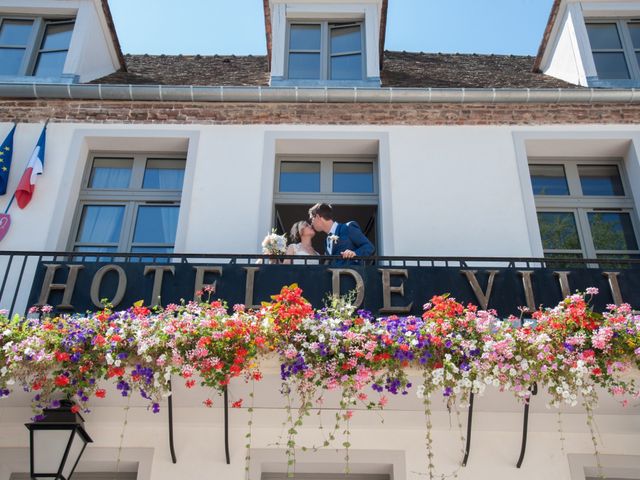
{"x": 274, "y": 244}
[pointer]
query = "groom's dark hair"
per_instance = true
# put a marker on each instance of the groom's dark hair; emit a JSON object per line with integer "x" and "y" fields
{"x": 323, "y": 210}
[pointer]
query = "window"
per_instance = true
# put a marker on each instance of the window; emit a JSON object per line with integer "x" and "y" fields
{"x": 584, "y": 209}
{"x": 34, "y": 46}
{"x": 349, "y": 183}
{"x": 329, "y": 176}
{"x": 129, "y": 204}
{"x": 616, "y": 48}
{"x": 325, "y": 51}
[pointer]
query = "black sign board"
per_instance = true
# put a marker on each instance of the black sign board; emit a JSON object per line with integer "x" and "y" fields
{"x": 80, "y": 286}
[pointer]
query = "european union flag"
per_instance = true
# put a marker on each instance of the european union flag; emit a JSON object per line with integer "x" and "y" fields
{"x": 6, "y": 153}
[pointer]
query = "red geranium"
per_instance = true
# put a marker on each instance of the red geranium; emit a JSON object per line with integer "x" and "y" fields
{"x": 61, "y": 381}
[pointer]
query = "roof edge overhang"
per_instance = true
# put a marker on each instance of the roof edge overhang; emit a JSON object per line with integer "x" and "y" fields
{"x": 114, "y": 36}
{"x": 553, "y": 16}
{"x": 220, "y": 94}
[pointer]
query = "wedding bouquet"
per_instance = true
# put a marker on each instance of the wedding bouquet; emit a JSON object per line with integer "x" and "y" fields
{"x": 274, "y": 244}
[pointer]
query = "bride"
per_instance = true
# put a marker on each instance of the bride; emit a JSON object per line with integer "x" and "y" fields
{"x": 301, "y": 235}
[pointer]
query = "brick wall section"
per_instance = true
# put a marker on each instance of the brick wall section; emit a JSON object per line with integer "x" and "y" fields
{"x": 316, "y": 113}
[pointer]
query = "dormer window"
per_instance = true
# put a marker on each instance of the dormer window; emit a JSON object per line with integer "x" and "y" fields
{"x": 34, "y": 46}
{"x": 325, "y": 51}
{"x": 616, "y": 49}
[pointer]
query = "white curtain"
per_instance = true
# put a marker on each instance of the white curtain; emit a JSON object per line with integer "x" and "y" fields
{"x": 101, "y": 224}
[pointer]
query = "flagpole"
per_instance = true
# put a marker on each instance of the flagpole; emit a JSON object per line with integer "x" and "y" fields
{"x": 13, "y": 197}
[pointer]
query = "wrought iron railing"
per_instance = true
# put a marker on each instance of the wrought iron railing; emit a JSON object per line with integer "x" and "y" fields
{"x": 19, "y": 269}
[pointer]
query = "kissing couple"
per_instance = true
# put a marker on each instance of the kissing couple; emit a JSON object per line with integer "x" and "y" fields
{"x": 343, "y": 239}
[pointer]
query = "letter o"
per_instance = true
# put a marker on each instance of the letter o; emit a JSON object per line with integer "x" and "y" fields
{"x": 96, "y": 283}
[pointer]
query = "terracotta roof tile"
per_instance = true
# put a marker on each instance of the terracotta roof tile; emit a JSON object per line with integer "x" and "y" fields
{"x": 401, "y": 69}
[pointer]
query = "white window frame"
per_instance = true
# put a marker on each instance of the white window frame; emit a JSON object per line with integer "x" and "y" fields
{"x": 325, "y": 48}
{"x": 131, "y": 198}
{"x": 33, "y": 48}
{"x": 627, "y": 47}
{"x": 326, "y": 193}
{"x": 581, "y": 205}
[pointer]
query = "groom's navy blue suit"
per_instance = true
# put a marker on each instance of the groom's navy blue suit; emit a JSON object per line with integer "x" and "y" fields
{"x": 350, "y": 237}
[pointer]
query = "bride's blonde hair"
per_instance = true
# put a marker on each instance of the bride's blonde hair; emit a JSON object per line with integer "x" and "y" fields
{"x": 296, "y": 229}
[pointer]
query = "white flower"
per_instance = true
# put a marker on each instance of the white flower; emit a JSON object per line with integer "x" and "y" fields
{"x": 333, "y": 238}
{"x": 274, "y": 244}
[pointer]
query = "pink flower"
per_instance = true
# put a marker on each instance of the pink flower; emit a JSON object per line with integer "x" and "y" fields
{"x": 383, "y": 401}
{"x": 602, "y": 337}
{"x": 592, "y": 291}
{"x": 617, "y": 390}
{"x": 208, "y": 403}
{"x": 238, "y": 307}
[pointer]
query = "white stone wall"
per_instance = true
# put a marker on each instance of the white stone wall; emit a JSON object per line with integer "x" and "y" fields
{"x": 389, "y": 441}
{"x": 459, "y": 191}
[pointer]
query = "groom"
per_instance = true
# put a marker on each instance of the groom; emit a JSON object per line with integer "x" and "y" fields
{"x": 344, "y": 239}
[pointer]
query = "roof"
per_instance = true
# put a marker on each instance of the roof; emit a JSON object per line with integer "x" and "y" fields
{"x": 114, "y": 36}
{"x": 401, "y": 69}
{"x": 547, "y": 34}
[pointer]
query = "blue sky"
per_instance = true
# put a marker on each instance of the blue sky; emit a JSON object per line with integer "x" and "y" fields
{"x": 209, "y": 27}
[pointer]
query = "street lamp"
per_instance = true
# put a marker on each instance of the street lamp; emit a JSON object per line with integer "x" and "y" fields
{"x": 57, "y": 443}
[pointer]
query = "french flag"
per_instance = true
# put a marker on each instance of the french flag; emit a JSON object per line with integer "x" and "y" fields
{"x": 27, "y": 184}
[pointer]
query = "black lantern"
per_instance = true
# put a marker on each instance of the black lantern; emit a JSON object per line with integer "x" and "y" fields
{"x": 57, "y": 443}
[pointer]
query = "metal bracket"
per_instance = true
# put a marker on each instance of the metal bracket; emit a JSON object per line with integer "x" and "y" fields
{"x": 170, "y": 408}
{"x": 534, "y": 391}
{"x": 469, "y": 420}
{"x": 226, "y": 426}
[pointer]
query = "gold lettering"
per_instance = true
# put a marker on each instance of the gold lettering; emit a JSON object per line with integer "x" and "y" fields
{"x": 336, "y": 273}
{"x": 563, "y": 277}
{"x": 97, "y": 282}
{"x": 199, "y": 285}
{"x": 48, "y": 286}
{"x": 483, "y": 297}
{"x": 528, "y": 289}
{"x": 157, "y": 280}
{"x": 248, "y": 292}
{"x": 612, "y": 277}
{"x": 387, "y": 290}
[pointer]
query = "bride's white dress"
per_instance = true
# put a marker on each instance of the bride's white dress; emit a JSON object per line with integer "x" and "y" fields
{"x": 298, "y": 250}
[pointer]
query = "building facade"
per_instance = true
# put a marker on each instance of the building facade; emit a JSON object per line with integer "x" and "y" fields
{"x": 460, "y": 156}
